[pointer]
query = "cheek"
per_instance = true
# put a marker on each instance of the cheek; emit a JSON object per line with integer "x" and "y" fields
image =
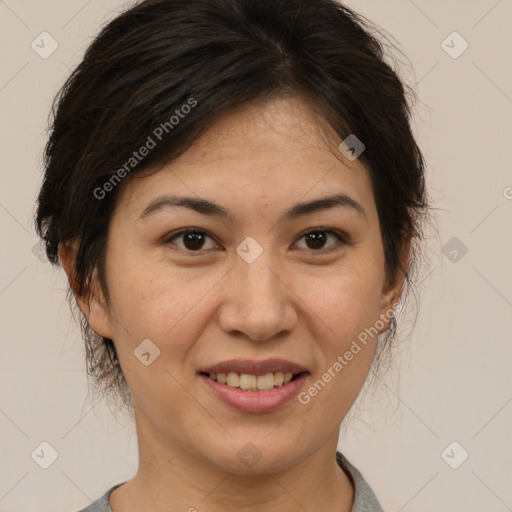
{"x": 345, "y": 302}
{"x": 347, "y": 307}
{"x": 153, "y": 301}
{"x": 150, "y": 306}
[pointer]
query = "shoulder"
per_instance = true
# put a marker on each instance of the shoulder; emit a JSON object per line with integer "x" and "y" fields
{"x": 364, "y": 497}
{"x": 102, "y": 504}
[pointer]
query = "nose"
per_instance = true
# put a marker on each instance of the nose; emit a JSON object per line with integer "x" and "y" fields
{"x": 259, "y": 303}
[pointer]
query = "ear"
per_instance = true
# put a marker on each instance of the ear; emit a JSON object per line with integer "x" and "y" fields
{"x": 393, "y": 290}
{"x": 93, "y": 307}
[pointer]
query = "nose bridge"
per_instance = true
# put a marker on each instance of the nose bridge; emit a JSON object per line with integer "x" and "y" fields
{"x": 259, "y": 280}
{"x": 261, "y": 307}
{"x": 260, "y": 287}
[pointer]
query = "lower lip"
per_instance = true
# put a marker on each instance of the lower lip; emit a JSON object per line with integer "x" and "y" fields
{"x": 256, "y": 401}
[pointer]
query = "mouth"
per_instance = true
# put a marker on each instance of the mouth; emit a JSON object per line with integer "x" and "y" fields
{"x": 254, "y": 386}
{"x": 253, "y": 375}
{"x": 248, "y": 382}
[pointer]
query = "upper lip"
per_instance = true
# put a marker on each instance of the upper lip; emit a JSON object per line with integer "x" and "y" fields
{"x": 253, "y": 367}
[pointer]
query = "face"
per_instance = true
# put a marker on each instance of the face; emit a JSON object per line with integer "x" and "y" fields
{"x": 262, "y": 282}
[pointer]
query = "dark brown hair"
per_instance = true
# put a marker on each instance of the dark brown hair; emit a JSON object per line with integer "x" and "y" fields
{"x": 160, "y": 55}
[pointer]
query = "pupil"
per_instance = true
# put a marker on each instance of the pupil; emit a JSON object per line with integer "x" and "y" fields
{"x": 193, "y": 240}
{"x": 318, "y": 238}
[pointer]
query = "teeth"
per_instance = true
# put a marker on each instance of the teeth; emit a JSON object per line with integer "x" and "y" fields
{"x": 248, "y": 382}
{"x": 251, "y": 382}
{"x": 221, "y": 377}
{"x": 265, "y": 382}
{"x": 233, "y": 380}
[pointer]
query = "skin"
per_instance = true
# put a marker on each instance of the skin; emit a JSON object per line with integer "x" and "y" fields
{"x": 297, "y": 300}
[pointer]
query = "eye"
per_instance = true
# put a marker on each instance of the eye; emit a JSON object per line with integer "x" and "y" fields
{"x": 193, "y": 239}
{"x": 316, "y": 238}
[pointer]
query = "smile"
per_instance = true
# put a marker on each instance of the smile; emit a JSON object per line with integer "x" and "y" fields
{"x": 252, "y": 382}
{"x": 241, "y": 392}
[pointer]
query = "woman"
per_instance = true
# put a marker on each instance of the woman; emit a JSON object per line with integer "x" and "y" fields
{"x": 235, "y": 193}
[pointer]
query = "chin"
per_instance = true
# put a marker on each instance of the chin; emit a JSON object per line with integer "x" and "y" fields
{"x": 251, "y": 457}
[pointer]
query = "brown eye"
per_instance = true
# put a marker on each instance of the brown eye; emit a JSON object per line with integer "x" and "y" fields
{"x": 316, "y": 239}
{"x": 193, "y": 239}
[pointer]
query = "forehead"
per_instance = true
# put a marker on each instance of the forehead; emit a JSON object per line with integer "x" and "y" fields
{"x": 272, "y": 151}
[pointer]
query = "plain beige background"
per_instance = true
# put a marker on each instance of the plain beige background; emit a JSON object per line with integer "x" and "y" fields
{"x": 455, "y": 383}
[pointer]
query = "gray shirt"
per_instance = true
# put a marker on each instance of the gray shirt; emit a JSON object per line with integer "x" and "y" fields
{"x": 364, "y": 498}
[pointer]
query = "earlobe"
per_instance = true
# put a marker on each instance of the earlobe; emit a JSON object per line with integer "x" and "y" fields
{"x": 392, "y": 293}
{"x": 94, "y": 308}
{"x": 390, "y": 298}
{"x": 99, "y": 318}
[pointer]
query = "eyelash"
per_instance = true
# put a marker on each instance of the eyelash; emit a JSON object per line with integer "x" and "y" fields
{"x": 341, "y": 237}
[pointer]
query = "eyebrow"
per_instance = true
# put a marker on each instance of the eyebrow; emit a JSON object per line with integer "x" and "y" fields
{"x": 206, "y": 207}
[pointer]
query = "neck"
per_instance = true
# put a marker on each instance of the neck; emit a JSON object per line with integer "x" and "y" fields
{"x": 172, "y": 478}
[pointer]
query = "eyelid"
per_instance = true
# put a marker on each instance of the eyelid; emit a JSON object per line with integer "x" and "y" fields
{"x": 342, "y": 240}
{"x": 176, "y": 234}
{"x": 342, "y": 237}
